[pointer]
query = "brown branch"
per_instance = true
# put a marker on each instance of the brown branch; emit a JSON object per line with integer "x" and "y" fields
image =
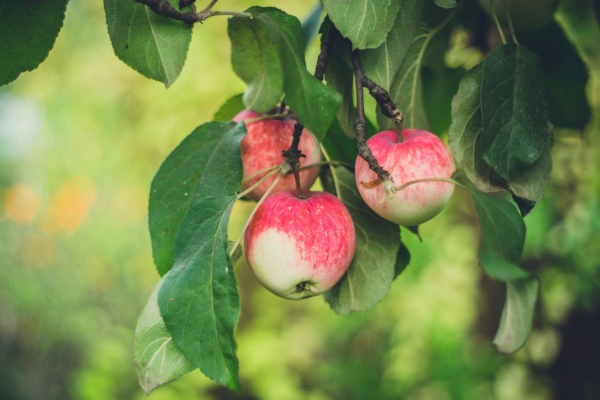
{"x": 164, "y": 8}
{"x": 388, "y": 108}
{"x": 360, "y": 126}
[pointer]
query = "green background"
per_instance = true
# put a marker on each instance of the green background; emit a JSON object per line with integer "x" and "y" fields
{"x": 81, "y": 138}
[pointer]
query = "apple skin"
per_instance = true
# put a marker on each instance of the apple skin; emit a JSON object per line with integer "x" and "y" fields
{"x": 299, "y": 248}
{"x": 420, "y": 155}
{"x": 262, "y": 147}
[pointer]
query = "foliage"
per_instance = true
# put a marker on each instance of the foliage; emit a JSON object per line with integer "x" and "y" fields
{"x": 499, "y": 135}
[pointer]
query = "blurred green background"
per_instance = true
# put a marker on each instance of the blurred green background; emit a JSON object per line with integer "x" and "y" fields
{"x": 81, "y": 138}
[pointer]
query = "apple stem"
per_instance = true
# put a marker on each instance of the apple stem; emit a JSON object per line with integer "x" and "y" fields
{"x": 267, "y": 193}
{"x": 360, "y": 126}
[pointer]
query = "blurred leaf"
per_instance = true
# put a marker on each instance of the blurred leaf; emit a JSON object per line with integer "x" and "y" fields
{"x": 402, "y": 260}
{"x": 199, "y": 300}
{"x": 513, "y": 108}
{"x": 365, "y": 22}
{"x": 338, "y": 145}
{"x": 311, "y": 101}
{"x": 502, "y": 234}
{"x": 515, "y": 323}
{"x": 310, "y": 26}
{"x": 28, "y": 29}
{"x": 153, "y": 45}
{"x": 406, "y": 88}
{"x": 206, "y": 163}
{"x": 340, "y": 77}
{"x": 158, "y": 360}
{"x": 446, "y": 3}
{"x": 232, "y": 107}
{"x": 465, "y": 133}
{"x": 381, "y": 64}
{"x": 372, "y": 271}
{"x": 255, "y": 60}
{"x": 441, "y": 85}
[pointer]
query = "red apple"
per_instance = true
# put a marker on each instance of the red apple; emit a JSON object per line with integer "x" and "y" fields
{"x": 299, "y": 248}
{"x": 420, "y": 155}
{"x": 262, "y": 146}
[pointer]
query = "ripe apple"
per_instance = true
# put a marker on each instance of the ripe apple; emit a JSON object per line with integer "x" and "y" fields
{"x": 298, "y": 248}
{"x": 420, "y": 155}
{"x": 262, "y": 147}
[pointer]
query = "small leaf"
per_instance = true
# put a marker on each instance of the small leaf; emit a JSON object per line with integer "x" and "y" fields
{"x": 158, "y": 360}
{"x": 207, "y": 162}
{"x": 255, "y": 60}
{"x": 446, "y": 3}
{"x": 373, "y": 268}
{"x": 502, "y": 232}
{"x": 199, "y": 300}
{"x": 515, "y": 323}
{"x": 311, "y": 101}
{"x": 365, "y": 22}
{"x": 406, "y": 88}
{"x": 28, "y": 29}
{"x": 382, "y": 63}
{"x": 151, "y": 44}
{"x": 513, "y": 108}
{"x": 232, "y": 107}
{"x": 465, "y": 133}
{"x": 402, "y": 260}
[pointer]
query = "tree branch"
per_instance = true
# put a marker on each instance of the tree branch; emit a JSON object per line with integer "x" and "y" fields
{"x": 388, "y": 107}
{"x": 164, "y": 8}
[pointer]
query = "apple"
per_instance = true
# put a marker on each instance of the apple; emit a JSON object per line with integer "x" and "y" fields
{"x": 262, "y": 147}
{"x": 419, "y": 155}
{"x": 300, "y": 247}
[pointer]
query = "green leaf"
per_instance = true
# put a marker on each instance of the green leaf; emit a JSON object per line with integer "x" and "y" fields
{"x": 310, "y": 25}
{"x": 157, "y": 359}
{"x": 502, "y": 232}
{"x": 373, "y": 268}
{"x": 406, "y": 88}
{"x": 311, "y": 101}
{"x": 515, "y": 323}
{"x": 340, "y": 77}
{"x": 199, "y": 300}
{"x": 382, "y": 63}
{"x": 465, "y": 133}
{"x": 255, "y": 60}
{"x": 513, "y": 108}
{"x": 232, "y": 107}
{"x": 207, "y": 162}
{"x": 28, "y": 29}
{"x": 338, "y": 145}
{"x": 446, "y": 3}
{"x": 365, "y": 22}
{"x": 153, "y": 45}
{"x": 402, "y": 260}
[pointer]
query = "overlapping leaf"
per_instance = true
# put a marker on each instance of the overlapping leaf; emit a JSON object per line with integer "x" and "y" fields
{"x": 513, "y": 108}
{"x": 313, "y": 103}
{"x": 153, "y": 45}
{"x": 28, "y": 30}
{"x": 365, "y": 22}
{"x": 201, "y": 165}
{"x": 230, "y": 108}
{"x": 377, "y": 259}
{"x": 255, "y": 60}
{"x": 340, "y": 77}
{"x": 199, "y": 300}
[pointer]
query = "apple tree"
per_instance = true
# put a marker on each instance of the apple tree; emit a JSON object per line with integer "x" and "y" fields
{"x": 505, "y": 98}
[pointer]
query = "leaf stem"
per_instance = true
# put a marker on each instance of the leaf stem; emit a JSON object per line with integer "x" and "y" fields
{"x": 261, "y": 180}
{"x": 498, "y": 26}
{"x": 510, "y": 24}
{"x": 267, "y": 193}
{"x": 409, "y": 183}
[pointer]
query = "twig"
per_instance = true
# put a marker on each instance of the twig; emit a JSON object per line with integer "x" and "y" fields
{"x": 388, "y": 107}
{"x": 360, "y": 126}
{"x": 164, "y": 8}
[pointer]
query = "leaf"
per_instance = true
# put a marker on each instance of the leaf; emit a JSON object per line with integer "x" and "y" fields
{"x": 513, "y": 108}
{"x": 28, "y": 29}
{"x": 515, "y": 323}
{"x": 199, "y": 300}
{"x": 310, "y": 25}
{"x": 465, "y": 133}
{"x": 255, "y": 60}
{"x": 406, "y": 88}
{"x": 157, "y": 359}
{"x": 382, "y": 63}
{"x": 402, "y": 260}
{"x": 151, "y": 44}
{"x": 311, "y": 101}
{"x": 207, "y": 162}
{"x": 372, "y": 271}
{"x": 365, "y": 22}
{"x": 502, "y": 232}
{"x": 232, "y": 107}
{"x": 340, "y": 78}
{"x": 446, "y": 3}
{"x": 338, "y": 145}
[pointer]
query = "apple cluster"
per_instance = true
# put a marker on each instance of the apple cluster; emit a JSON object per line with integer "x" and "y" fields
{"x": 299, "y": 247}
